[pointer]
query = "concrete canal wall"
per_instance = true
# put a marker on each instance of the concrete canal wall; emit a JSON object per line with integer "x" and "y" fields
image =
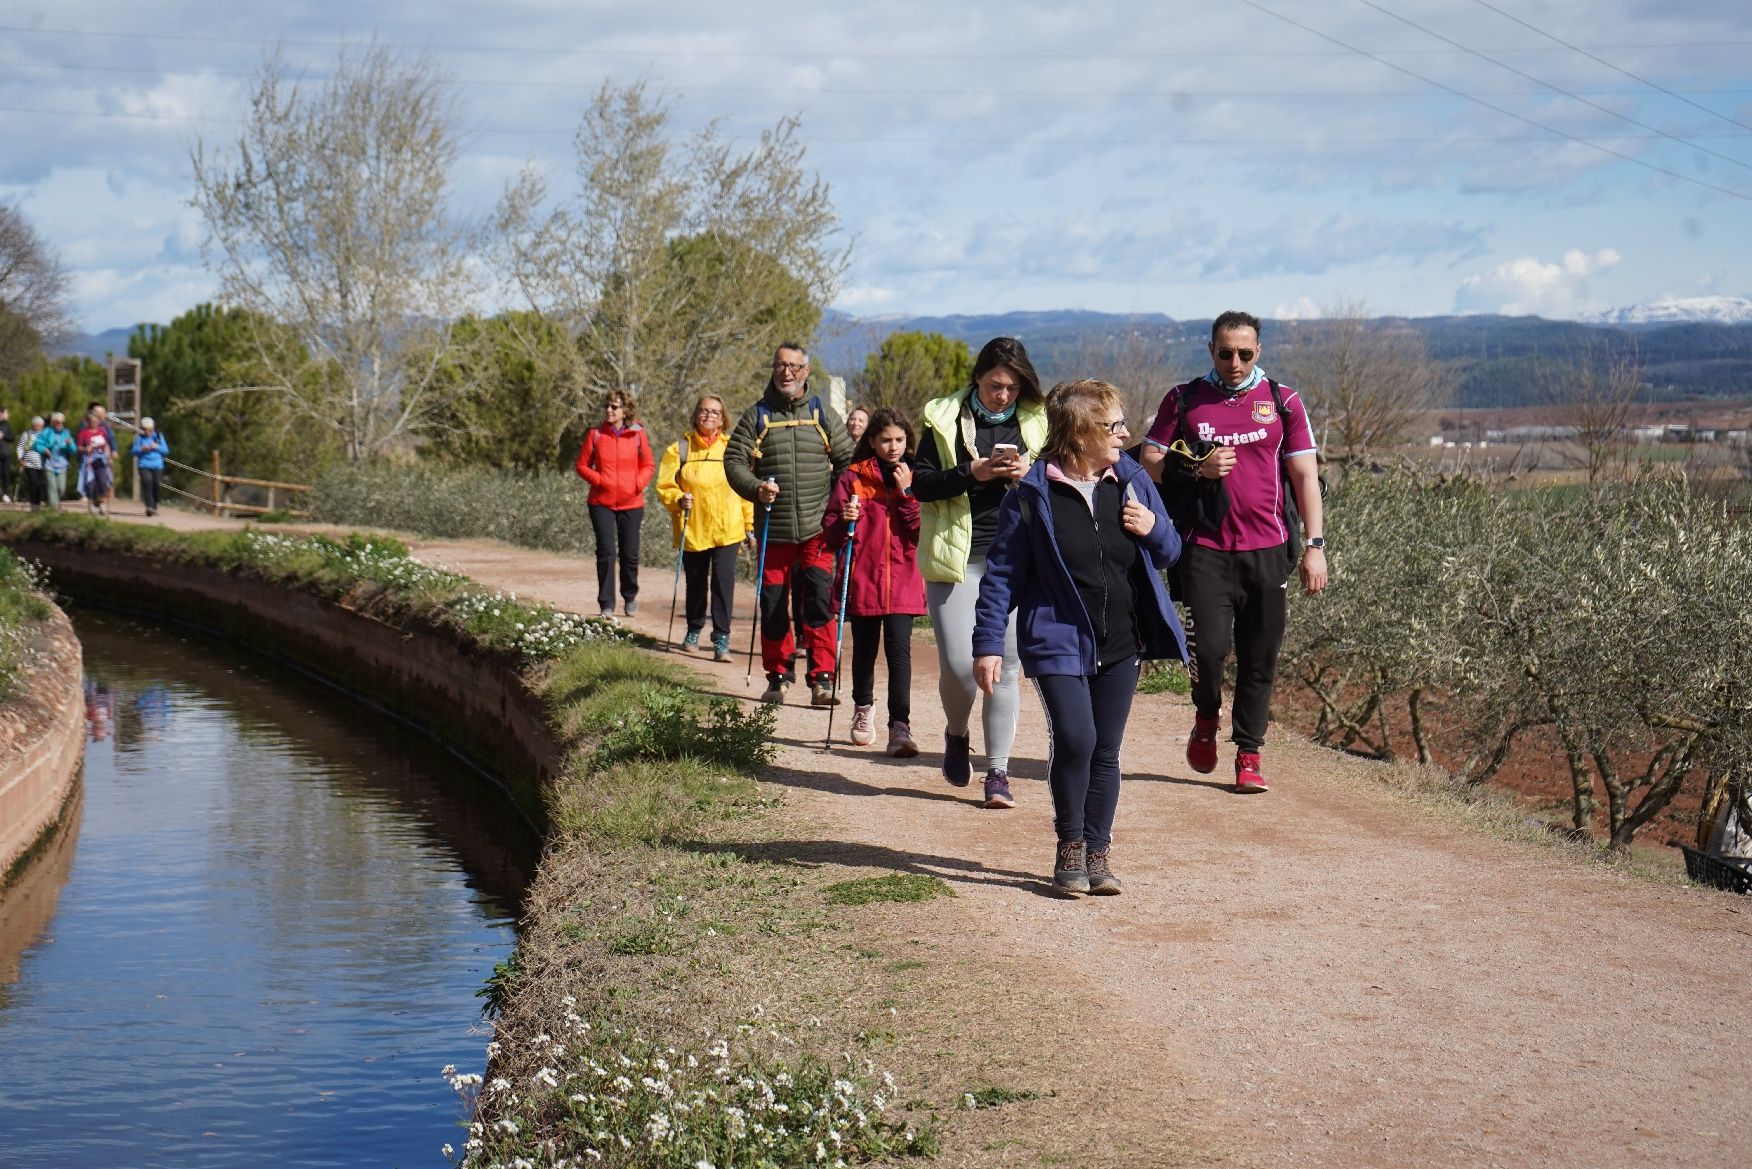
{"x": 42, "y": 740}
{"x": 479, "y": 706}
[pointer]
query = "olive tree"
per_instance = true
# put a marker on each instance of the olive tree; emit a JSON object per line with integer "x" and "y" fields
{"x": 329, "y": 217}
{"x": 678, "y": 263}
{"x": 1597, "y": 616}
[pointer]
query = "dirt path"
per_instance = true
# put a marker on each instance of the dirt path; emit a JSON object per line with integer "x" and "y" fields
{"x": 1323, "y": 976}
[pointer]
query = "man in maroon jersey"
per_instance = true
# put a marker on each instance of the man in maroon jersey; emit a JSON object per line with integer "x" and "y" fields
{"x": 1234, "y": 575}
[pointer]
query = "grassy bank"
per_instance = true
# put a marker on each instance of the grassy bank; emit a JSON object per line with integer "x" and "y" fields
{"x": 695, "y": 982}
{"x": 22, "y": 608}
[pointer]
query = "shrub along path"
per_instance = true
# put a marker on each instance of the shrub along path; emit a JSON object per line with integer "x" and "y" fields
{"x": 1338, "y": 973}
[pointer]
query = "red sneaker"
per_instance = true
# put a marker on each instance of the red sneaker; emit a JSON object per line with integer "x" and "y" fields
{"x": 1201, "y": 745}
{"x": 1247, "y": 778}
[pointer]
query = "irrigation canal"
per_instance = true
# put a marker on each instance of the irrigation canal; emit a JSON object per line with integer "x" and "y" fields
{"x": 261, "y": 938}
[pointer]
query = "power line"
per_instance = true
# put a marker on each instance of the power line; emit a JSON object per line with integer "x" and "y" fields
{"x": 548, "y": 50}
{"x": 1508, "y": 113}
{"x": 1181, "y": 95}
{"x": 940, "y": 140}
{"x": 1555, "y": 88}
{"x": 1615, "y": 68}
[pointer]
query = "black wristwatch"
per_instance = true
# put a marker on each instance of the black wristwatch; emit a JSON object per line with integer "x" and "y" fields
{"x": 1317, "y": 542}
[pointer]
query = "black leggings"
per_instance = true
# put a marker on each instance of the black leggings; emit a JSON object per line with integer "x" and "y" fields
{"x": 895, "y": 631}
{"x": 1236, "y": 599}
{"x": 1085, "y": 723}
{"x": 720, "y": 565}
{"x": 612, "y": 527}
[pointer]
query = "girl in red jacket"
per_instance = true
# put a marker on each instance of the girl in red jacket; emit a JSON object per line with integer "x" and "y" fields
{"x": 616, "y": 461}
{"x": 886, "y": 590}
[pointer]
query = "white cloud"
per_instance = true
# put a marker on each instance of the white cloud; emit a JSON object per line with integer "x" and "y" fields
{"x": 1528, "y": 285}
{"x": 1301, "y": 309}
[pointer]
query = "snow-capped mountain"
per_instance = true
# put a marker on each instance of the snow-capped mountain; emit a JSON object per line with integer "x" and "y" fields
{"x": 1722, "y": 310}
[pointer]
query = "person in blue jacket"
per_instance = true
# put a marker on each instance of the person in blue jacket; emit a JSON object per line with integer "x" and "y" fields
{"x": 58, "y": 449}
{"x": 149, "y": 450}
{"x": 1076, "y": 555}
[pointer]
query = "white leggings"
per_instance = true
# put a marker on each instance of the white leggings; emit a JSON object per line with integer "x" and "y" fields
{"x": 951, "y": 607}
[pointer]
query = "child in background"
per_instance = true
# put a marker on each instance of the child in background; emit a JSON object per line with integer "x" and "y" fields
{"x": 886, "y": 591}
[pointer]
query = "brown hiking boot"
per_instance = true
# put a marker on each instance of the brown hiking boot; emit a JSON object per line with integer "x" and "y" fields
{"x": 1070, "y": 869}
{"x": 1101, "y": 878}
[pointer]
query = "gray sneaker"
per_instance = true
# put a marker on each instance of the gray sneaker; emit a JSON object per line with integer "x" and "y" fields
{"x": 690, "y": 640}
{"x": 1101, "y": 878}
{"x": 631, "y": 608}
{"x": 775, "y": 691}
{"x": 1070, "y": 869}
{"x": 721, "y": 647}
{"x": 997, "y": 789}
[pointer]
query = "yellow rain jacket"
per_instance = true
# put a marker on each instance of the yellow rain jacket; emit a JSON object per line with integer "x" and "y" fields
{"x": 720, "y": 516}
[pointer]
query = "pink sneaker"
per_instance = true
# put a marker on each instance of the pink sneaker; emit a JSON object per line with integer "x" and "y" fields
{"x": 1201, "y": 745}
{"x": 1248, "y": 781}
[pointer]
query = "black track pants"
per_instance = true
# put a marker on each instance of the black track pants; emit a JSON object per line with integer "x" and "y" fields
{"x": 611, "y": 528}
{"x": 720, "y": 565}
{"x": 1238, "y": 600}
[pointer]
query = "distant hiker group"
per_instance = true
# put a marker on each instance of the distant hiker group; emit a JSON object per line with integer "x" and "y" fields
{"x": 1037, "y": 539}
{"x": 34, "y": 463}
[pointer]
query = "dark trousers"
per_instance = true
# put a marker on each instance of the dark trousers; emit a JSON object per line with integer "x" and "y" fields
{"x": 808, "y": 569}
{"x": 6, "y": 474}
{"x": 893, "y": 630}
{"x": 1239, "y": 600}
{"x": 614, "y": 528}
{"x": 1085, "y": 724}
{"x": 150, "y": 478}
{"x": 719, "y": 564}
{"x": 36, "y": 482}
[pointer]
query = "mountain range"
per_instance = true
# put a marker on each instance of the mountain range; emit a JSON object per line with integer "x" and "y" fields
{"x": 1721, "y": 310}
{"x": 1699, "y": 347}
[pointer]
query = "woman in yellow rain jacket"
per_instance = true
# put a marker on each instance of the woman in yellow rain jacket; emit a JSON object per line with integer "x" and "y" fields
{"x": 711, "y": 521}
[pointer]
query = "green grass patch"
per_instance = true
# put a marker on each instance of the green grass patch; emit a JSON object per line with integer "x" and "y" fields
{"x": 893, "y": 887}
{"x": 1164, "y": 678}
{"x": 995, "y": 1097}
{"x": 647, "y": 937}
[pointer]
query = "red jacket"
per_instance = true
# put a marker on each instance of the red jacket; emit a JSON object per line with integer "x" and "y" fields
{"x": 885, "y": 561}
{"x": 618, "y": 467}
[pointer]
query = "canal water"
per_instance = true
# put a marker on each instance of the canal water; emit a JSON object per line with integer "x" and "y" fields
{"x": 261, "y": 941}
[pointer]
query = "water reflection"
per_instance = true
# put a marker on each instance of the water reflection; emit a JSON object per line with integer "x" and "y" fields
{"x": 271, "y": 929}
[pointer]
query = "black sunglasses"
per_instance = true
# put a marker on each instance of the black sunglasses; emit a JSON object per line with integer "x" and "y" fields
{"x": 1243, "y": 354}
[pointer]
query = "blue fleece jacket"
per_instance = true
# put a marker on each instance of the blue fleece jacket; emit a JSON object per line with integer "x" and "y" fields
{"x": 1026, "y": 572}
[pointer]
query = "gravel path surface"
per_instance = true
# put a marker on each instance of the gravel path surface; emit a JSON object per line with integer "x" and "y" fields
{"x": 1326, "y": 975}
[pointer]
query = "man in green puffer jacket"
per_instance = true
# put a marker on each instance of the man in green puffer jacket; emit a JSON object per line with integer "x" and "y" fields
{"x": 785, "y": 453}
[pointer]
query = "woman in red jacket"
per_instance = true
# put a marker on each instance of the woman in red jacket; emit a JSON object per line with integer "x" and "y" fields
{"x": 616, "y": 461}
{"x": 886, "y": 591}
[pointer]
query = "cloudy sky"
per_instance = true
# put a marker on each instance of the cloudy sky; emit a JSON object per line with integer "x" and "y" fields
{"x": 1423, "y": 156}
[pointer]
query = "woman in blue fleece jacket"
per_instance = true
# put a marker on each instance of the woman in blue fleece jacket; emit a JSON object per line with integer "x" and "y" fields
{"x": 1077, "y": 553}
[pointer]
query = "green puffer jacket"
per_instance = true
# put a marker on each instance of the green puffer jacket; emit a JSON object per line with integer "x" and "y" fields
{"x": 792, "y": 452}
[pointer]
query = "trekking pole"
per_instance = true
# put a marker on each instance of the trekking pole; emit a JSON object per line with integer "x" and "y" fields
{"x": 839, "y": 629}
{"x": 675, "y": 594}
{"x": 766, "y": 524}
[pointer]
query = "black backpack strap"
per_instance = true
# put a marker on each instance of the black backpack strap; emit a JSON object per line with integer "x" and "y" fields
{"x": 1277, "y": 399}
